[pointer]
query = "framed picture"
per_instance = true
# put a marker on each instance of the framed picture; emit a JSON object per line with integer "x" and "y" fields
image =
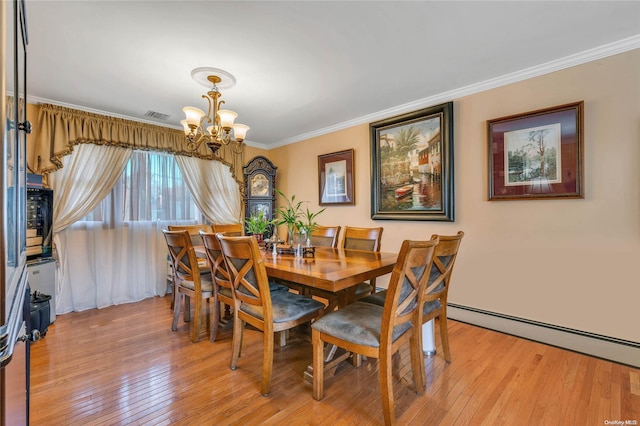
{"x": 537, "y": 155}
{"x": 412, "y": 165}
{"x": 335, "y": 178}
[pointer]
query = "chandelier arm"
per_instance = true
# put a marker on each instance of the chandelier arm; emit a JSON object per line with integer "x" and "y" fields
{"x": 209, "y": 100}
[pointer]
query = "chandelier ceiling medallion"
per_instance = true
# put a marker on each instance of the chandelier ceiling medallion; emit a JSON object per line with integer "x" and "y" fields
{"x": 221, "y": 121}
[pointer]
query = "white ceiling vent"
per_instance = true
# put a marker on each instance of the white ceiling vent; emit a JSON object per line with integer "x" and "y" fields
{"x": 158, "y": 115}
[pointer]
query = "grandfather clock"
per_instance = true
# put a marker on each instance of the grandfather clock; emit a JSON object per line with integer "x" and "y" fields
{"x": 259, "y": 184}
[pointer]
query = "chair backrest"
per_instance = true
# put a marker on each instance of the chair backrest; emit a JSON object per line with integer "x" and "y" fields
{"x": 183, "y": 257}
{"x": 362, "y": 238}
{"x": 406, "y": 285}
{"x": 250, "y": 284}
{"x": 193, "y": 231}
{"x": 215, "y": 259}
{"x": 230, "y": 229}
{"x": 325, "y": 236}
{"x": 443, "y": 261}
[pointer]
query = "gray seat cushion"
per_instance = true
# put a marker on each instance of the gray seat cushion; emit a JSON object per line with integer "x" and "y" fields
{"x": 274, "y": 286}
{"x": 359, "y": 323}
{"x": 376, "y": 298}
{"x": 206, "y": 284}
{"x": 225, "y": 292}
{"x": 286, "y": 307}
{"x": 362, "y": 289}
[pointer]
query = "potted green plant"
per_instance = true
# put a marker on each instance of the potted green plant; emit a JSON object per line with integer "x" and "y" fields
{"x": 308, "y": 224}
{"x": 257, "y": 224}
{"x": 289, "y": 214}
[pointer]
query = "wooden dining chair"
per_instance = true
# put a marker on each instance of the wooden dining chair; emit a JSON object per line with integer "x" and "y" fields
{"x": 231, "y": 229}
{"x": 194, "y": 231}
{"x": 380, "y": 331}
{"x": 254, "y": 304}
{"x": 368, "y": 239}
{"x": 435, "y": 295}
{"x": 222, "y": 292}
{"x": 195, "y": 241}
{"x": 189, "y": 283}
{"x": 325, "y": 236}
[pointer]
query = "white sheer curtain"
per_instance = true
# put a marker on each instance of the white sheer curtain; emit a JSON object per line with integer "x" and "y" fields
{"x": 213, "y": 189}
{"x": 117, "y": 253}
{"x": 87, "y": 176}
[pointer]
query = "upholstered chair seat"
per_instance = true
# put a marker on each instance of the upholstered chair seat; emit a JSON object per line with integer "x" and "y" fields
{"x": 286, "y": 307}
{"x": 360, "y": 323}
{"x": 274, "y": 286}
{"x": 207, "y": 285}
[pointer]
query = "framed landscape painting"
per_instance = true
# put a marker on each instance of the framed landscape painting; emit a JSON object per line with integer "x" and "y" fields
{"x": 537, "y": 155}
{"x": 412, "y": 166}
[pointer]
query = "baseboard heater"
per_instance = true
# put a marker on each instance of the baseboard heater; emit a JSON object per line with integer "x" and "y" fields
{"x": 610, "y": 348}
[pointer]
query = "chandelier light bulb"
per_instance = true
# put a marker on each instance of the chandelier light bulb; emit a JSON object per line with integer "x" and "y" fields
{"x": 226, "y": 118}
{"x": 184, "y": 123}
{"x": 193, "y": 115}
{"x": 240, "y": 131}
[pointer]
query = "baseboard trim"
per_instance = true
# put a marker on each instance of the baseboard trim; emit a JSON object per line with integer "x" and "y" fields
{"x": 613, "y": 349}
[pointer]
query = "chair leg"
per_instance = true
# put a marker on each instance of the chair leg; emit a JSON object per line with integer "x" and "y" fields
{"x": 444, "y": 335}
{"x": 238, "y": 327}
{"x": 318, "y": 365}
{"x": 176, "y": 311}
{"x": 386, "y": 388}
{"x": 173, "y": 292}
{"x": 187, "y": 308}
{"x": 423, "y": 373}
{"x": 215, "y": 319}
{"x": 356, "y": 360}
{"x": 281, "y": 337}
{"x": 417, "y": 362}
{"x": 267, "y": 363}
{"x": 196, "y": 326}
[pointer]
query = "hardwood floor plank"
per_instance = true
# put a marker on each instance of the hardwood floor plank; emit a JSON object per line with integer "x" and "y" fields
{"x": 123, "y": 365}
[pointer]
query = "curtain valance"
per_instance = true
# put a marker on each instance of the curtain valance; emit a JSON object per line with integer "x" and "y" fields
{"x": 60, "y": 129}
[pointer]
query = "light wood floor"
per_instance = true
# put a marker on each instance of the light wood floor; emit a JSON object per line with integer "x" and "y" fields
{"x": 124, "y": 365}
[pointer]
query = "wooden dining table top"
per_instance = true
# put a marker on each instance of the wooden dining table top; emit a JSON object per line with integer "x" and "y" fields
{"x": 331, "y": 269}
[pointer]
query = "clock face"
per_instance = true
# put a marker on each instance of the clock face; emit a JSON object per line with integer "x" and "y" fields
{"x": 259, "y": 185}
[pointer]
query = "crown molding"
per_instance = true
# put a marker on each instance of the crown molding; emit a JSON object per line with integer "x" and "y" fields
{"x": 590, "y": 55}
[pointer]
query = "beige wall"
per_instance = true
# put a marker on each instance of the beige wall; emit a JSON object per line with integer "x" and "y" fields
{"x": 572, "y": 263}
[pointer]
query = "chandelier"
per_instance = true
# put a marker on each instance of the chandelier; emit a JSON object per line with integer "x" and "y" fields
{"x": 221, "y": 121}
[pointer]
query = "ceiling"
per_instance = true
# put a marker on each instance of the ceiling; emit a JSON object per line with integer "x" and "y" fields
{"x": 305, "y": 68}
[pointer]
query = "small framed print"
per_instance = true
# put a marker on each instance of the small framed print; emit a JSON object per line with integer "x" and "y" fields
{"x": 537, "y": 155}
{"x": 335, "y": 178}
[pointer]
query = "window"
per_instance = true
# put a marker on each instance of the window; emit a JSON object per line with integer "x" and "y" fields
{"x": 151, "y": 189}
